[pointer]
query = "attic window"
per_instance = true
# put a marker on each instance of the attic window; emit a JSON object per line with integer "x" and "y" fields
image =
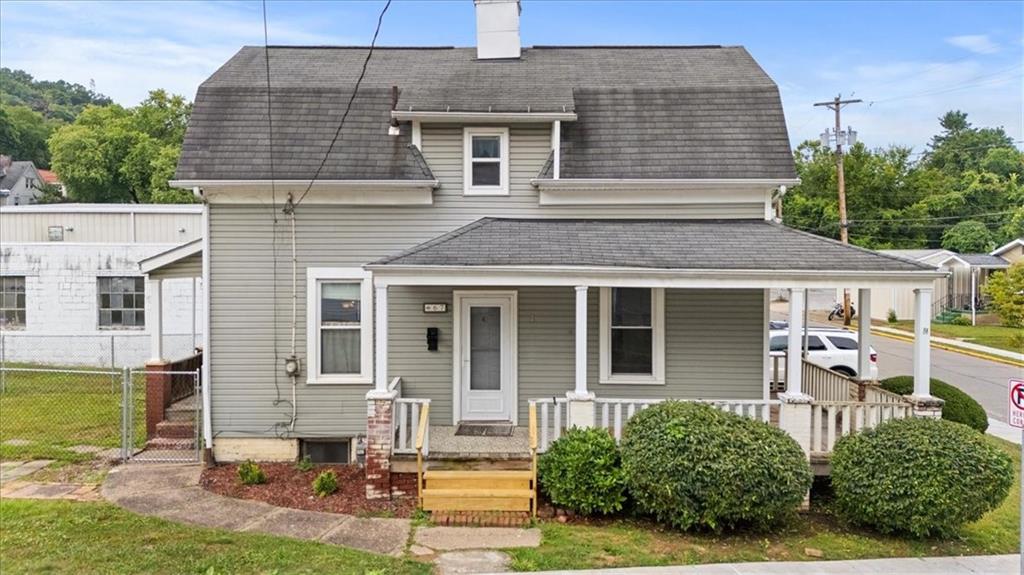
{"x": 486, "y": 162}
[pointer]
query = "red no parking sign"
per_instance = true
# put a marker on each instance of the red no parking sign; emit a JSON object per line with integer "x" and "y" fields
{"x": 1016, "y": 403}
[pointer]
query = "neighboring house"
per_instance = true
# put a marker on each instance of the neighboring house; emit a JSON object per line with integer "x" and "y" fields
{"x": 72, "y": 289}
{"x": 21, "y": 183}
{"x": 51, "y": 178}
{"x": 1012, "y": 252}
{"x": 961, "y": 291}
{"x": 551, "y": 226}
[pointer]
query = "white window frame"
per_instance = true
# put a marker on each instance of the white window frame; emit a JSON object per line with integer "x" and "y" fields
{"x": 467, "y": 164}
{"x": 315, "y": 277}
{"x": 657, "y": 342}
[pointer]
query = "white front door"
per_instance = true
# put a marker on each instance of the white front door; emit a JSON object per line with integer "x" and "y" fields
{"x": 485, "y": 356}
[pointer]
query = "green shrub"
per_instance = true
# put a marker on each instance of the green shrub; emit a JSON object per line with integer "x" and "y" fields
{"x": 251, "y": 474}
{"x": 325, "y": 484}
{"x": 305, "y": 464}
{"x": 959, "y": 406}
{"x": 893, "y": 318}
{"x": 691, "y": 465}
{"x": 960, "y": 320}
{"x": 1006, "y": 289}
{"x": 922, "y": 476}
{"x": 582, "y": 471}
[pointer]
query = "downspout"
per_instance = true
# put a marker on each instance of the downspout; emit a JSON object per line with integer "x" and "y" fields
{"x": 289, "y": 209}
{"x": 207, "y": 419}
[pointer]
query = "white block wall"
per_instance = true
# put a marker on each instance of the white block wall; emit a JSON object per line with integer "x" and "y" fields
{"x": 62, "y": 308}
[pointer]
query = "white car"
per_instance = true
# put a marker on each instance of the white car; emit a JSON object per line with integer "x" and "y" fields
{"x": 832, "y": 348}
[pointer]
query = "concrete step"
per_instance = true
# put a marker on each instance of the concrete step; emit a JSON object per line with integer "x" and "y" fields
{"x": 180, "y": 414}
{"x": 176, "y": 429}
{"x": 166, "y": 443}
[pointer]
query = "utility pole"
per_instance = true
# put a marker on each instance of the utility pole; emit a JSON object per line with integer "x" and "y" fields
{"x": 850, "y": 136}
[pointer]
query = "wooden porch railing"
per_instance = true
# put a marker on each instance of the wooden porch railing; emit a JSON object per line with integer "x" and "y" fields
{"x": 183, "y": 383}
{"x": 422, "y": 441}
{"x": 554, "y": 418}
{"x": 833, "y": 419}
{"x": 826, "y": 385}
{"x": 407, "y": 415}
{"x": 875, "y": 394}
{"x": 533, "y": 455}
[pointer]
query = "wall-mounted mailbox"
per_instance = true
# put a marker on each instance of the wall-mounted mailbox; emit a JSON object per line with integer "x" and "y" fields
{"x": 433, "y": 334}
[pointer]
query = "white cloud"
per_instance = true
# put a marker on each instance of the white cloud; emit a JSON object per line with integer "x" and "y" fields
{"x": 977, "y": 43}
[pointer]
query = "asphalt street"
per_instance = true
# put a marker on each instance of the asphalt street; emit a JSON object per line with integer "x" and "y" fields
{"x": 984, "y": 380}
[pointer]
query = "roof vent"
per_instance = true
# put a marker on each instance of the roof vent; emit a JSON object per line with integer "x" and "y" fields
{"x": 497, "y": 29}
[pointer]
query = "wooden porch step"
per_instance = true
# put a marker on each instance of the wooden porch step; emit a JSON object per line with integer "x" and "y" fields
{"x": 477, "y": 480}
{"x": 477, "y": 499}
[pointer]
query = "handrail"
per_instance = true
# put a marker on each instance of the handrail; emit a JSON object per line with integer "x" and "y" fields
{"x": 421, "y": 435}
{"x": 824, "y": 384}
{"x": 533, "y": 455}
{"x": 395, "y": 384}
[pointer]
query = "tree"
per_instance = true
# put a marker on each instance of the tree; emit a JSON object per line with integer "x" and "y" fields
{"x": 968, "y": 236}
{"x": 23, "y": 135}
{"x": 960, "y": 146}
{"x": 60, "y": 100}
{"x": 117, "y": 154}
{"x": 1006, "y": 288}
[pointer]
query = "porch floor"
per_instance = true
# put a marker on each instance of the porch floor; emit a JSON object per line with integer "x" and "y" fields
{"x": 445, "y": 444}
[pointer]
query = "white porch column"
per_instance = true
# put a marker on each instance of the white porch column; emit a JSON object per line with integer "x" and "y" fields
{"x": 581, "y": 400}
{"x": 974, "y": 295}
{"x": 794, "y": 359}
{"x": 922, "y": 341}
{"x": 380, "y": 387}
{"x": 153, "y": 319}
{"x": 864, "y": 335}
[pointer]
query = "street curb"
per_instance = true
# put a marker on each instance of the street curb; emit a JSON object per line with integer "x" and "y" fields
{"x": 960, "y": 350}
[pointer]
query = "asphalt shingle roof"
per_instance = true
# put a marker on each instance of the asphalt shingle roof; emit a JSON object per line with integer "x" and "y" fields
{"x": 13, "y": 174}
{"x": 643, "y": 112}
{"x": 656, "y": 244}
{"x": 984, "y": 260}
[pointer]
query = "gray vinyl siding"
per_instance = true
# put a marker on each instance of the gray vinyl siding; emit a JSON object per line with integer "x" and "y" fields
{"x": 190, "y": 267}
{"x": 250, "y": 393}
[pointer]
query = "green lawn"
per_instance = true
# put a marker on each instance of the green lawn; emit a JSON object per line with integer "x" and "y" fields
{"x": 54, "y": 410}
{"x": 638, "y": 543}
{"x": 997, "y": 336}
{"x": 69, "y": 537}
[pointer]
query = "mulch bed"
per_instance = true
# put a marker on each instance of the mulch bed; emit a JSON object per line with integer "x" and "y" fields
{"x": 289, "y": 487}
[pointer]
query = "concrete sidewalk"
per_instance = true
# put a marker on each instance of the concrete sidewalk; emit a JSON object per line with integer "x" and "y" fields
{"x": 172, "y": 492}
{"x": 955, "y": 344}
{"x": 983, "y": 564}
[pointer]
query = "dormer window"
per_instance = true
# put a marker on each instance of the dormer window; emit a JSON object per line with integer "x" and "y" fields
{"x": 486, "y": 162}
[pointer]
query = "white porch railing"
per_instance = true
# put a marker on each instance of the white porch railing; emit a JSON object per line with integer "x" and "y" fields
{"x": 612, "y": 414}
{"x": 406, "y": 416}
{"x": 553, "y": 418}
{"x": 831, "y": 420}
{"x": 826, "y": 385}
{"x": 875, "y": 394}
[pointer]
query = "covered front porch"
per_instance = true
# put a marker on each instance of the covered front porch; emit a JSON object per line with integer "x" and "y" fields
{"x": 637, "y": 299}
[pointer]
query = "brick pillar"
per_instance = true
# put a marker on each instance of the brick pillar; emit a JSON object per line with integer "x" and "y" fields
{"x": 380, "y": 433}
{"x": 158, "y": 394}
{"x": 929, "y": 406}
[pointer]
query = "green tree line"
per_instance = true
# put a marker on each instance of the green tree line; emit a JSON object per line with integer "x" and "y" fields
{"x": 962, "y": 193}
{"x": 102, "y": 152}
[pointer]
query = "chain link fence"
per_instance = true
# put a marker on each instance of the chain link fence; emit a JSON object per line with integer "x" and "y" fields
{"x": 106, "y": 351}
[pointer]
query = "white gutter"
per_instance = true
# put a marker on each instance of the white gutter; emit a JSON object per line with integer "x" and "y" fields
{"x": 556, "y": 149}
{"x": 207, "y": 419}
{"x": 661, "y": 183}
{"x": 104, "y": 209}
{"x": 285, "y": 186}
{"x": 502, "y": 117}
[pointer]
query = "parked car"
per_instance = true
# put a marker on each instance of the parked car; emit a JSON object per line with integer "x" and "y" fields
{"x": 832, "y": 348}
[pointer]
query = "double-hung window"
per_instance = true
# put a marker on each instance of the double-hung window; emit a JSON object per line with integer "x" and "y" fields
{"x": 122, "y": 302}
{"x": 339, "y": 326}
{"x": 632, "y": 342}
{"x": 486, "y": 161}
{"x": 12, "y": 302}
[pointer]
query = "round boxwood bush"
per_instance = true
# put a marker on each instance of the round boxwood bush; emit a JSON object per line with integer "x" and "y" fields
{"x": 959, "y": 406}
{"x": 922, "y": 476}
{"x": 582, "y": 471}
{"x": 691, "y": 465}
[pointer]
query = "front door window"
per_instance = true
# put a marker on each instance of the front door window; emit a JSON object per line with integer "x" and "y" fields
{"x": 485, "y": 348}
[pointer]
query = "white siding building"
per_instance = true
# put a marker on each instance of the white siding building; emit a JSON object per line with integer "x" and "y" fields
{"x": 72, "y": 292}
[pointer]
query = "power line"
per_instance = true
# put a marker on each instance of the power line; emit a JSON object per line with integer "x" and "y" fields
{"x": 973, "y": 82}
{"x": 930, "y": 218}
{"x": 348, "y": 107}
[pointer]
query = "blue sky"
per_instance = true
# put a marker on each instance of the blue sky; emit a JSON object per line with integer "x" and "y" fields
{"x": 914, "y": 60}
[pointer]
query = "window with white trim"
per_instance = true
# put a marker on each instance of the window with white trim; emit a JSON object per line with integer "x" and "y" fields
{"x": 485, "y": 170}
{"x": 339, "y": 339}
{"x": 632, "y": 335}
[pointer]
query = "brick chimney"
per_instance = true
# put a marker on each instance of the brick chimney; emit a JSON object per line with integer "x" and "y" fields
{"x": 497, "y": 29}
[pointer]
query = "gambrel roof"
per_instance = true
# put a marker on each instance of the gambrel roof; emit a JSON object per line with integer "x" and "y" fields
{"x": 642, "y": 112}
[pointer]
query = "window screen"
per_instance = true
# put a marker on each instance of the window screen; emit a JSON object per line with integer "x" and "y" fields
{"x": 632, "y": 337}
{"x": 486, "y": 160}
{"x": 340, "y": 327}
{"x": 122, "y": 301}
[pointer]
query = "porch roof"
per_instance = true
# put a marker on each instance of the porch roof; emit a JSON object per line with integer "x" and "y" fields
{"x": 665, "y": 248}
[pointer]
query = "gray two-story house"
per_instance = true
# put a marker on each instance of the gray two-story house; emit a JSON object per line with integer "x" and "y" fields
{"x": 495, "y": 232}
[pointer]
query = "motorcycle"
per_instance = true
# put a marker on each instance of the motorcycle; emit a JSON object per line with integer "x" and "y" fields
{"x": 837, "y": 311}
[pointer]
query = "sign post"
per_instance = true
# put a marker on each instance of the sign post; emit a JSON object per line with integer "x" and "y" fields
{"x": 1016, "y": 419}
